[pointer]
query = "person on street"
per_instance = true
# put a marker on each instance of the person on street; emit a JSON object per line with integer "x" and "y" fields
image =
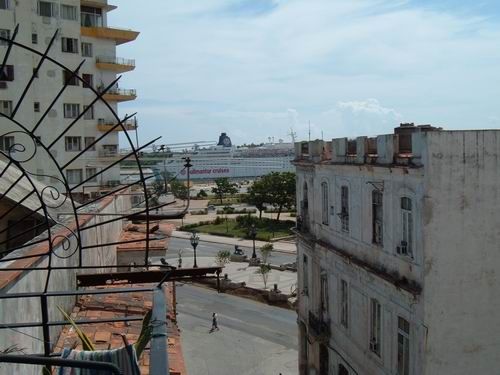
{"x": 214, "y": 323}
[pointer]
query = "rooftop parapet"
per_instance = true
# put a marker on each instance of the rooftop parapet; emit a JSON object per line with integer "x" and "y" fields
{"x": 403, "y": 147}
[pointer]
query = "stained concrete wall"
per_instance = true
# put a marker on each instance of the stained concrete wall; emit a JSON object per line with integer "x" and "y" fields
{"x": 461, "y": 233}
{"x": 28, "y": 309}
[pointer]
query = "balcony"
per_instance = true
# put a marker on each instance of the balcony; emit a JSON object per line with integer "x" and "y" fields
{"x": 120, "y": 95}
{"x": 104, "y": 125}
{"x": 116, "y": 64}
{"x": 319, "y": 327}
{"x": 92, "y": 25}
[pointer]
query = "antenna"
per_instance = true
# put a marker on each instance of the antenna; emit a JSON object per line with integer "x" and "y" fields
{"x": 309, "y": 130}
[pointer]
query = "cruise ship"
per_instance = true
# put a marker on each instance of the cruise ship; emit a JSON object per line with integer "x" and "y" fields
{"x": 227, "y": 160}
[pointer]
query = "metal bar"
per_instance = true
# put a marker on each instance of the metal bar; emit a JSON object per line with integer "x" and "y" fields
{"x": 34, "y": 74}
{"x": 64, "y": 293}
{"x": 25, "y": 231}
{"x": 114, "y": 243}
{"x": 22, "y": 247}
{"x": 119, "y": 218}
{"x": 138, "y": 277}
{"x": 18, "y": 203}
{"x": 45, "y": 327}
{"x": 80, "y": 115}
{"x": 56, "y": 98}
{"x": 158, "y": 347}
{"x": 55, "y": 268}
{"x": 10, "y": 161}
{"x": 31, "y": 213}
{"x": 53, "y": 361}
{"x": 97, "y": 140}
{"x": 9, "y": 48}
{"x": 64, "y": 322}
{"x": 111, "y": 165}
{"x": 12, "y": 186}
{"x": 112, "y": 192}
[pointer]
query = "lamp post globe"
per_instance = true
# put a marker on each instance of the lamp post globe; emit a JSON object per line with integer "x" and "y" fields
{"x": 253, "y": 234}
{"x": 194, "y": 243}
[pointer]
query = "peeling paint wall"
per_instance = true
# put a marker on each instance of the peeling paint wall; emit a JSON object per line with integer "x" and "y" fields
{"x": 461, "y": 233}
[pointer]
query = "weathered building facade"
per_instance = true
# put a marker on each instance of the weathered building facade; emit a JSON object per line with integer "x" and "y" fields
{"x": 397, "y": 253}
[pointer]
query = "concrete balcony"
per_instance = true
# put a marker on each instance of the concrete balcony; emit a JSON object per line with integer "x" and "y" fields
{"x": 120, "y": 95}
{"x": 92, "y": 25}
{"x": 116, "y": 64}
{"x": 104, "y": 125}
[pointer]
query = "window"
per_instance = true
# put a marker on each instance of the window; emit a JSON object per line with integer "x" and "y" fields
{"x": 305, "y": 275}
{"x": 74, "y": 176}
{"x": 4, "y": 4}
{"x": 403, "y": 347}
{"x": 88, "y": 142}
{"x": 69, "y": 45}
{"x": 88, "y": 113}
{"x": 406, "y": 246}
{"x": 90, "y": 174}
{"x": 73, "y": 143}
{"x": 4, "y": 34}
{"x": 375, "y": 326}
{"x": 377, "y": 217}
{"x": 47, "y": 9}
{"x": 34, "y": 38}
{"x": 71, "y": 110}
{"x": 110, "y": 150}
{"x": 69, "y": 12}
{"x": 325, "y": 205}
{"x": 324, "y": 292}
{"x": 344, "y": 304}
{"x": 91, "y": 17}
{"x": 69, "y": 78}
{"x": 6, "y": 107}
{"x": 8, "y": 73}
{"x": 36, "y": 106}
{"x": 86, "y": 49}
{"x": 344, "y": 208}
{"x": 6, "y": 142}
{"x": 88, "y": 80}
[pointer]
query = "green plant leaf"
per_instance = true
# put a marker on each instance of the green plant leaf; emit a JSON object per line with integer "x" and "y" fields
{"x": 145, "y": 335}
{"x": 86, "y": 342}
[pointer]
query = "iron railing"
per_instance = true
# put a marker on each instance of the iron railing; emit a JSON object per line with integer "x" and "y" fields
{"x": 115, "y": 60}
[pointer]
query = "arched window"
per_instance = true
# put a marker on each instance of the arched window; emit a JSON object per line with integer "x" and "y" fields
{"x": 406, "y": 246}
{"x": 324, "y": 202}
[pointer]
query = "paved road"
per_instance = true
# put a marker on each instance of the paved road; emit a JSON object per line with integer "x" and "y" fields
{"x": 205, "y": 249}
{"x": 254, "y": 338}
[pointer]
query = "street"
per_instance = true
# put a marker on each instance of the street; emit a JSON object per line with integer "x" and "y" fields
{"x": 209, "y": 249}
{"x": 254, "y": 338}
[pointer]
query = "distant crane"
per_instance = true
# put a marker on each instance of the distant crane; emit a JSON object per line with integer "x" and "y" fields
{"x": 293, "y": 135}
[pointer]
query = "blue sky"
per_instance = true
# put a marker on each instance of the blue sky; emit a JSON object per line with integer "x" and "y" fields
{"x": 256, "y": 68}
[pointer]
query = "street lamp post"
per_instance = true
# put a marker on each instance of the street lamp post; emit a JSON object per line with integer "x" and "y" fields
{"x": 194, "y": 242}
{"x": 253, "y": 234}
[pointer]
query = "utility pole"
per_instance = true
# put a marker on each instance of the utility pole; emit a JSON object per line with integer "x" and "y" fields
{"x": 309, "y": 130}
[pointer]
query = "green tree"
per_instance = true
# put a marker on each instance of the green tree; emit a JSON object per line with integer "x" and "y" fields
{"x": 179, "y": 189}
{"x": 258, "y": 195}
{"x": 223, "y": 187}
{"x": 222, "y": 257}
{"x": 263, "y": 271}
{"x": 265, "y": 251}
{"x": 202, "y": 194}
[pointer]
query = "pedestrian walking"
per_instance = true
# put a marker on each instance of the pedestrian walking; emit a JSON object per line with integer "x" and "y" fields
{"x": 214, "y": 323}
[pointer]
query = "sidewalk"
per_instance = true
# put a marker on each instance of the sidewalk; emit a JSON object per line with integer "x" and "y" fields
{"x": 238, "y": 272}
{"x": 280, "y": 246}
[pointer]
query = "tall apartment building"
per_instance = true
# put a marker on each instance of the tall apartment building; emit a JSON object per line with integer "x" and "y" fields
{"x": 398, "y": 253}
{"x": 83, "y": 33}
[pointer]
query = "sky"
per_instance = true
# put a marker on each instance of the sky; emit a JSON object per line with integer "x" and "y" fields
{"x": 341, "y": 68}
